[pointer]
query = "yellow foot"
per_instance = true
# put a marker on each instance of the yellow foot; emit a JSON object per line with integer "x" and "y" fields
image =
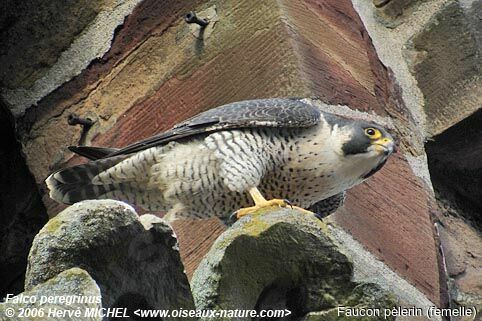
{"x": 262, "y": 204}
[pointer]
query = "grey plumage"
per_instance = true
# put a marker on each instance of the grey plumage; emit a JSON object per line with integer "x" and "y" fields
{"x": 203, "y": 167}
{"x": 93, "y": 153}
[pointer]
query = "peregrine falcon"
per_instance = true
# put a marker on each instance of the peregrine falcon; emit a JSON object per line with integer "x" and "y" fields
{"x": 264, "y": 151}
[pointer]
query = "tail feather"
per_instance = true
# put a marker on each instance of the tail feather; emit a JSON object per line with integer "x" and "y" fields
{"x": 74, "y": 184}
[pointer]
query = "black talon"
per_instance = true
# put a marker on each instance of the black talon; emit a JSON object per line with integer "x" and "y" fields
{"x": 288, "y": 202}
{"x": 319, "y": 216}
{"x": 232, "y": 218}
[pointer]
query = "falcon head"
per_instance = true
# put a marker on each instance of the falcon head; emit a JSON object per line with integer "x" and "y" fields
{"x": 368, "y": 138}
{"x": 370, "y": 142}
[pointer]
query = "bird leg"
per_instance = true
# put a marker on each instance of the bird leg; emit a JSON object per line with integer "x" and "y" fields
{"x": 260, "y": 202}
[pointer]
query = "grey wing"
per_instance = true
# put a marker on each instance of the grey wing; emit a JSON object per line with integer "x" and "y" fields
{"x": 91, "y": 152}
{"x": 328, "y": 206}
{"x": 274, "y": 112}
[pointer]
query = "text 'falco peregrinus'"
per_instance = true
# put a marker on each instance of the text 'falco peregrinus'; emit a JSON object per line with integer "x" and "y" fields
{"x": 210, "y": 164}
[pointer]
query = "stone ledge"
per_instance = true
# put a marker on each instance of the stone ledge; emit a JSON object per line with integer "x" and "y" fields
{"x": 71, "y": 282}
{"x": 134, "y": 267}
{"x": 281, "y": 259}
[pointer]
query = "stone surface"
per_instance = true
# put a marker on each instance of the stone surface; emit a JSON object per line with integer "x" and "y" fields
{"x": 22, "y": 212}
{"x": 28, "y": 52}
{"x": 389, "y": 44}
{"x": 75, "y": 285}
{"x": 38, "y": 60}
{"x": 473, "y": 10}
{"x": 445, "y": 59}
{"x": 462, "y": 245}
{"x": 134, "y": 267}
{"x": 365, "y": 297}
{"x": 386, "y": 205}
{"x": 368, "y": 269}
{"x": 279, "y": 259}
{"x": 390, "y": 12}
{"x": 434, "y": 49}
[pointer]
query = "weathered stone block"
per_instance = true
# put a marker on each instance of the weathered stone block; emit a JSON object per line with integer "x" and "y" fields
{"x": 134, "y": 267}
{"x": 366, "y": 303}
{"x": 462, "y": 246}
{"x": 28, "y": 52}
{"x": 279, "y": 259}
{"x": 444, "y": 59}
{"x": 389, "y": 11}
{"x": 73, "y": 284}
{"x": 48, "y": 44}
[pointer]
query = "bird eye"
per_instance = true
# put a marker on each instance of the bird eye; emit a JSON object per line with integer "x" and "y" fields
{"x": 373, "y": 133}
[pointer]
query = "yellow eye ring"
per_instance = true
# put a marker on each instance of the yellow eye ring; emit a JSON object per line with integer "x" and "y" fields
{"x": 373, "y": 133}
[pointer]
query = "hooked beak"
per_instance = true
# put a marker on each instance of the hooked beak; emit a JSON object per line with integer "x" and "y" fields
{"x": 385, "y": 145}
